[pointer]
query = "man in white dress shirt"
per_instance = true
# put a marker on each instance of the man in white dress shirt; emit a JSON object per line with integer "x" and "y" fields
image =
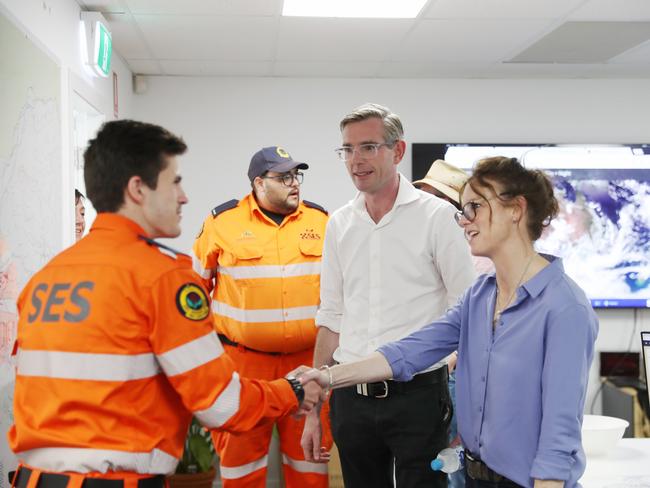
{"x": 393, "y": 261}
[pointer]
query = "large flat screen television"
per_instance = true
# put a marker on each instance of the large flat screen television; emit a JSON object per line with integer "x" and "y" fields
{"x": 603, "y": 229}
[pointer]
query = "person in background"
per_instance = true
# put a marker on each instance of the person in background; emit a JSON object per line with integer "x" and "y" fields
{"x": 260, "y": 257}
{"x": 80, "y": 215}
{"x": 524, "y": 334}
{"x": 393, "y": 261}
{"x": 444, "y": 180}
{"x": 116, "y": 348}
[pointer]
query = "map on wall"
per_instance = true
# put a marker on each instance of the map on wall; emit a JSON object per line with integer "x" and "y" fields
{"x": 30, "y": 186}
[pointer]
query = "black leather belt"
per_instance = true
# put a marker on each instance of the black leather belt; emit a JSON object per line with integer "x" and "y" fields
{"x": 56, "y": 480}
{"x": 478, "y": 470}
{"x": 383, "y": 389}
{"x": 225, "y": 340}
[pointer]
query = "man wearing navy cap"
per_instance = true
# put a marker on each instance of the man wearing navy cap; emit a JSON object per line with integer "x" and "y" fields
{"x": 260, "y": 259}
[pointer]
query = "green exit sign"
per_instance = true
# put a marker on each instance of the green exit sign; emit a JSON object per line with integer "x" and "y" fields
{"x": 101, "y": 63}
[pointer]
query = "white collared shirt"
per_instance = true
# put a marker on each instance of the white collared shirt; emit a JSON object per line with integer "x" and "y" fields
{"x": 380, "y": 282}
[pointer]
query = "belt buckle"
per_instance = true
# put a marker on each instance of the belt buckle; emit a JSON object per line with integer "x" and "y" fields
{"x": 385, "y": 391}
{"x": 362, "y": 389}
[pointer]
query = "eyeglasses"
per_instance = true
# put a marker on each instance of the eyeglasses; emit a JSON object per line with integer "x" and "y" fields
{"x": 287, "y": 178}
{"x": 468, "y": 212}
{"x": 366, "y": 151}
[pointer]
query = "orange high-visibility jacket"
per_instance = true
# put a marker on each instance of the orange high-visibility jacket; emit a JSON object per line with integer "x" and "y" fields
{"x": 264, "y": 278}
{"x": 116, "y": 350}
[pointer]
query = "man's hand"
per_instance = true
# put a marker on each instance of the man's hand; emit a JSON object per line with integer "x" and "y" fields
{"x": 314, "y": 395}
{"x": 311, "y": 439}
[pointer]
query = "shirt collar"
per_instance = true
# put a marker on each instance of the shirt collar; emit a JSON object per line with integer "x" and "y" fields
{"x": 537, "y": 283}
{"x": 117, "y": 222}
{"x": 256, "y": 211}
{"x": 406, "y": 193}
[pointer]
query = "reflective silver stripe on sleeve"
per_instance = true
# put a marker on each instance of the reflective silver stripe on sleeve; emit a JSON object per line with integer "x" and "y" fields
{"x": 271, "y": 271}
{"x": 264, "y": 315}
{"x": 98, "y": 460}
{"x": 224, "y": 407}
{"x": 200, "y": 270}
{"x": 191, "y": 355}
{"x": 233, "y": 473}
{"x": 87, "y": 366}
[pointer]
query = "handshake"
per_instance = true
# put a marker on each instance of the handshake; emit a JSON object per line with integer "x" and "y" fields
{"x": 315, "y": 384}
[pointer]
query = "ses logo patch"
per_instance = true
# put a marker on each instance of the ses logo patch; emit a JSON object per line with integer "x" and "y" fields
{"x": 192, "y": 302}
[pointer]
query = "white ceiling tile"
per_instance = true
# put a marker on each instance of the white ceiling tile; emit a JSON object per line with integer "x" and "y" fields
{"x": 126, "y": 38}
{"x": 500, "y": 9}
{"x": 585, "y": 42}
{"x": 206, "y": 37}
{"x": 638, "y": 55}
{"x": 613, "y": 10}
{"x": 181, "y": 67}
{"x": 144, "y": 66}
{"x": 206, "y": 7}
{"x": 339, "y": 69}
{"x": 456, "y": 41}
{"x": 302, "y": 39}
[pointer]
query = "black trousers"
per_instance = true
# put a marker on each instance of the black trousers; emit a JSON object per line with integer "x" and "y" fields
{"x": 470, "y": 483}
{"x": 407, "y": 428}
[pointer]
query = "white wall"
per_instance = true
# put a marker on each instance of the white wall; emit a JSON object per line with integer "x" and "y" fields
{"x": 225, "y": 120}
{"x": 53, "y": 26}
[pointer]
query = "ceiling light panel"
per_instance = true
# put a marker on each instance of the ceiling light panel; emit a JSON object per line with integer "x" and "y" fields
{"x": 377, "y": 9}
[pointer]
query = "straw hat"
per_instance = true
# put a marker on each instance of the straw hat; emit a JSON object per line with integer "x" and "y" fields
{"x": 445, "y": 178}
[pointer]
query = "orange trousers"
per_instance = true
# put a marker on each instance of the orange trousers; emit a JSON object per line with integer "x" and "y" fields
{"x": 244, "y": 456}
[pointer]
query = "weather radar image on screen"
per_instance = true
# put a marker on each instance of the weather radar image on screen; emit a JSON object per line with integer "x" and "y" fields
{"x": 602, "y": 231}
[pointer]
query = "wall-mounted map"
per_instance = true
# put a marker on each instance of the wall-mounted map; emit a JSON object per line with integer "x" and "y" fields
{"x": 30, "y": 189}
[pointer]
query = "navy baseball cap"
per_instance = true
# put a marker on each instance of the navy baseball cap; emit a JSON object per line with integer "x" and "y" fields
{"x": 272, "y": 158}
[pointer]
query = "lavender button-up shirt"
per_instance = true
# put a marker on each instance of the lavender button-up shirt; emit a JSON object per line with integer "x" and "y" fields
{"x": 520, "y": 387}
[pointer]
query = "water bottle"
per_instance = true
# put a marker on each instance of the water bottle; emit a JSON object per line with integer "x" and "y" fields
{"x": 449, "y": 460}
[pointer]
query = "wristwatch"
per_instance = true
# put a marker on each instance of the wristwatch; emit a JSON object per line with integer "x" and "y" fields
{"x": 297, "y": 388}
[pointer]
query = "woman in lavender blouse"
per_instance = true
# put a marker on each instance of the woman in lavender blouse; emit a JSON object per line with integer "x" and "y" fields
{"x": 525, "y": 339}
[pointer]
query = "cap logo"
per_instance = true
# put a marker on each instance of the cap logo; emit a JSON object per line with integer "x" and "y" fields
{"x": 282, "y": 153}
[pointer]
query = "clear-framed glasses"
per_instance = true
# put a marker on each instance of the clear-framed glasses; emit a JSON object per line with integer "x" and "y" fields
{"x": 468, "y": 211}
{"x": 287, "y": 178}
{"x": 366, "y": 151}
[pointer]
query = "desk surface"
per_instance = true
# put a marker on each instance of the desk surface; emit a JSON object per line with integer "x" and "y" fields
{"x": 627, "y": 466}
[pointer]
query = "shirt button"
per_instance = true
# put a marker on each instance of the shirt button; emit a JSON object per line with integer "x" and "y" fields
{"x": 483, "y": 379}
{"x": 480, "y": 409}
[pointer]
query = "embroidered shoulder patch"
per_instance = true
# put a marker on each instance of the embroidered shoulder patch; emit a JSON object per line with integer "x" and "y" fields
{"x": 192, "y": 302}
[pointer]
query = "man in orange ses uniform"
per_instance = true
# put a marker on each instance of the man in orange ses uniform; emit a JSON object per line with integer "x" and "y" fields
{"x": 116, "y": 346}
{"x": 260, "y": 257}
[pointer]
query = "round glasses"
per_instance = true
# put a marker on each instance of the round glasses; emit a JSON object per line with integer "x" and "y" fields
{"x": 287, "y": 178}
{"x": 468, "y": 211}
{"x": 365, "y": 151}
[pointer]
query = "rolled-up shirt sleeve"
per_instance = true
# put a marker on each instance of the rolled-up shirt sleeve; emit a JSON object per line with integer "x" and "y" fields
{"x": 570, "y": 337}
{"x": 424, "y": 347}
{"x": 330, "y": 310}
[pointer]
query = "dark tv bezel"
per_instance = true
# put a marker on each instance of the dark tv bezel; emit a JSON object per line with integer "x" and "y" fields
{"x": 423, "y": 154}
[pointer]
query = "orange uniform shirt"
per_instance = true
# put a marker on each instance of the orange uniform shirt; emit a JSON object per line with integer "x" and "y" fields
{"x": 116, "y": 350}
{"x": 264, "y": 277}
